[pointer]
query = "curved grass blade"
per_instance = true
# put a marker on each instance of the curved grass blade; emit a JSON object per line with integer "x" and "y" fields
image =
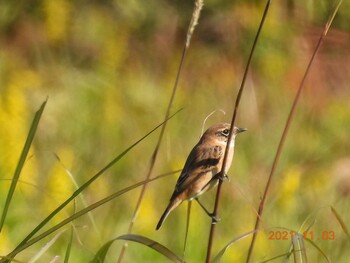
{"x": 79, "y": 214}
{"x": 82, "y": 188}
{"x": 299, "y": 250}
{"x": 275, "y": 257}
{"x": 101, "y": 254}
{"x": 223, "y": 250}
{"x": 319, "y": 250}
{"x": 21, "y": 161}
{"x": 341, "y": 222}
{"x": 311, "y": 219}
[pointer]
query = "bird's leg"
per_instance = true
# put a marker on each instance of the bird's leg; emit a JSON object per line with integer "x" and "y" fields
{"x": 215, "y": 219}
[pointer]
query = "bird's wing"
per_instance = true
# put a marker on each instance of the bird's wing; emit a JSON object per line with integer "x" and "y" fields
{"x": 201, "y": 160}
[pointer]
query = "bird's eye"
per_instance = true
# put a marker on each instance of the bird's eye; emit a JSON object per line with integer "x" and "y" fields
{"x": 225, "y": 132}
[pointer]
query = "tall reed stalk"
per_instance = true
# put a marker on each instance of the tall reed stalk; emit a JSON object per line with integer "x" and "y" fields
{"x": 238, "y": 99}
{"x": 194, "y": 21}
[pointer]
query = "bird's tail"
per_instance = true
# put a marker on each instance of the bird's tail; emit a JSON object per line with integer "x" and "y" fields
{"x": 172, "y": 205}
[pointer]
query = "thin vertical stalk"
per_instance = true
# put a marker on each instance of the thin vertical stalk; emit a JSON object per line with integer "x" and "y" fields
{"x": 238, "y": 99}
{"x": 152, "y": 160}
{"x": 286, "y": 129}
{"x": 194, "y": 21}
{"x": 189, "y": 205}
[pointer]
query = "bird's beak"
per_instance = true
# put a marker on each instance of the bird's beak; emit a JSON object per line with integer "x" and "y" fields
{"x": 239, "y": 130}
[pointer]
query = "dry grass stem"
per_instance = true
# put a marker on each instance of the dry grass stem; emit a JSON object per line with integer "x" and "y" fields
{"x": 238, "y": 99}
{"x": 193, "y": 23}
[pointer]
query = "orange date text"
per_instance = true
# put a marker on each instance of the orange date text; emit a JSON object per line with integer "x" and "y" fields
{"x": 288, "y": 235}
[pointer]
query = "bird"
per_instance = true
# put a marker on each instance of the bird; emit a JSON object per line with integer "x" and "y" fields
{"x": 202, "y": 168}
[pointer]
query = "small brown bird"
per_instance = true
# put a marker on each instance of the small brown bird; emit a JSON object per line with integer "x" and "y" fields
{"x": 202, "y": 167}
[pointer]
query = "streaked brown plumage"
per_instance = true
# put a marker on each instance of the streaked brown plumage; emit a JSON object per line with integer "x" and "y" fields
{"x": 202, "y": 165}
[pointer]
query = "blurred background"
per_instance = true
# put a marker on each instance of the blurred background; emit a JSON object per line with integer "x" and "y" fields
{"x": 108, "y": 68}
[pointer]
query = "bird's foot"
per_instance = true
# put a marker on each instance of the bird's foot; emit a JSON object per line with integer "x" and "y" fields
{"x": 214, "y": 218}
{"x": 223, "y": 177}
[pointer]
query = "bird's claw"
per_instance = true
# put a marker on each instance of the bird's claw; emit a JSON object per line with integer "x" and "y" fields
{"x": 215, "y": 219}
{"x": 223, "y": 177}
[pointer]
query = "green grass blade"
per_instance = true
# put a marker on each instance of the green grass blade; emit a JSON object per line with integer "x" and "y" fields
{"x": 319, "y": 250}
{"x": 308, "y": 222}
{"x": 69, "y": 246}
{"x": 101, "y": 254}
{"x": 341, "y": 222}
{"x": 274, "y": 258}
{"x": 223, "y": 250}
{"x": 299, "y": 250}
{"x": 12, "y": 260}
{"x": 79, "y": 214}
{"x": 21, "y": 162}
{"x": 82, "y": 188}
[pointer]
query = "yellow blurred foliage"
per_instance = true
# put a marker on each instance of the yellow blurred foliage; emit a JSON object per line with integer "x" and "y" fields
{"x": 57, "y": 14}
{"x": 288, "y": 188}
{"x": 5, "y": 244}
{"x": 59, "y": 186}
{"x": 29, "y": 175}
{"x": 147, "y": 213}
{"x": 114, "y": 50}
{"x": 13, "y": 114}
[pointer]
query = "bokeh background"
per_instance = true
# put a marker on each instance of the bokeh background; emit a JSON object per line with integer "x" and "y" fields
{"x": 108, "y": 68}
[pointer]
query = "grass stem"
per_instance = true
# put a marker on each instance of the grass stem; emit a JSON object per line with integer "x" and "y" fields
{"x": 238, "y": 99}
